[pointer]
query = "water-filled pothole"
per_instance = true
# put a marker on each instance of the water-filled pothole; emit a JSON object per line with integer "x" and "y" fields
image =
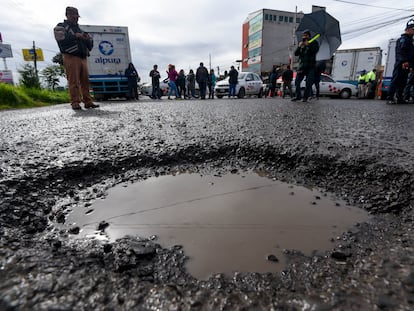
{"x": 225, "y": 224}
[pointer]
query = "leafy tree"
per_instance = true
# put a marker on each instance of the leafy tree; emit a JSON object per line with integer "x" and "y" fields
{"x": 58, "y": 59}
{"x": 29, "y": 77}
{"x": 51, "y": 75}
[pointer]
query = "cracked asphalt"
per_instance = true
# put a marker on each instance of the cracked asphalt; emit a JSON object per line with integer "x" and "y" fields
{"x": 54, "y": 160}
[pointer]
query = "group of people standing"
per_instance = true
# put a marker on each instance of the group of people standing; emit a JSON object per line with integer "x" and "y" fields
{"x": 367, "y": 83}
{"x": 182, "y": 85}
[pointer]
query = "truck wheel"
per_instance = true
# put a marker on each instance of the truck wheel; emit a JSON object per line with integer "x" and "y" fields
{"x": 345, "y": 94}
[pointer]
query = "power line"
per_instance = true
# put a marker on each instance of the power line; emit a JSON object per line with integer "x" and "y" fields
{"x": 373, "y": 6}
{"x": 369, "y": 28}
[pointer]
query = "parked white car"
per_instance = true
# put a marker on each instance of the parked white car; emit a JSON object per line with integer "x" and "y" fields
{"x": 327, "y": 87}
{"x": 249, "y": 83}
{"x": 146, "y": 88}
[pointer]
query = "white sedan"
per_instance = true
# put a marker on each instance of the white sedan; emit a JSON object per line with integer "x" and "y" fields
{"x": 328, "y": 87}
{"x": 249, "y": 83}
{"x": 146, "y": 88}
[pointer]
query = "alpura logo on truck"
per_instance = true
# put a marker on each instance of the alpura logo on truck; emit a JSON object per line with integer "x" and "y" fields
{"x": 107, "y": 48}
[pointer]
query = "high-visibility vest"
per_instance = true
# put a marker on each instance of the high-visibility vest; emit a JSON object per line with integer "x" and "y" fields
{"x": 370, "y": 76}
{"x": 362, "y": 79}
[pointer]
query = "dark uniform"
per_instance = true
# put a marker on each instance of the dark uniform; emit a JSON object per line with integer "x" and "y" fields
{"x": 404, "y": 58}
{"x": 306, "y": 68}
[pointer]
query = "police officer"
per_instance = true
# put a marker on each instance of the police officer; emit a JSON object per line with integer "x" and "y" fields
{"x": 361, "y": 83}
{"x": 371, "y": 80}
{"x": 404, "y": 58}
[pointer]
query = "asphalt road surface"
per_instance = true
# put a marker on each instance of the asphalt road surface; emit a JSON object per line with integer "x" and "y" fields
{"x": 55, "y": 159}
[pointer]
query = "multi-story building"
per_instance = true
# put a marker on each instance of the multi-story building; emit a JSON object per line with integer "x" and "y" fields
{"x": 269, "y": 39}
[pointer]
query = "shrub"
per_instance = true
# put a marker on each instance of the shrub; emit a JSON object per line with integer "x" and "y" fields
{"x": 11, "y": 96}
{"x": 21, "y": 97}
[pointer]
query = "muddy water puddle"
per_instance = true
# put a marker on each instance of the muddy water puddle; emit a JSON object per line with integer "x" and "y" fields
{"x": 224, "y": 223}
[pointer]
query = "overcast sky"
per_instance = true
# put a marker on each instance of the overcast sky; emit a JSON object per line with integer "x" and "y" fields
{"x": 185, "y": 32}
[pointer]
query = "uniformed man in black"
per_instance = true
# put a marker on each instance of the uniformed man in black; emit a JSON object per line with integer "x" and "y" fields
{"x": 404, "y": 59}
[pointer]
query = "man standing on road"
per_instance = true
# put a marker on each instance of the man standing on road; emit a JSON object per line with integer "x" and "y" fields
{"x": 287, "y": 77}
{"x": 202, "y": 79}
{"x": 75, "y": 45}
{"x": 233, "y": 80}
{"x": 306, "y": 51}
{"x": 155, "y": 80}
{"x": 133, "y": 78}
{"x": 362, "y": 81}
{"x": 371, "y": 80}
{"x": 319, "y": 70}
{"x": 404, "y": 58}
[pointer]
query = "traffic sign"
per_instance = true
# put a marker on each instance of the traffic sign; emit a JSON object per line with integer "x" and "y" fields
{"x": 28, "y": 55}
{"x": 5, "y": 50}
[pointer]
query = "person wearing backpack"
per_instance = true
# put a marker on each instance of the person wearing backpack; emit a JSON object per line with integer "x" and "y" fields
{"x": 75, "y": 45}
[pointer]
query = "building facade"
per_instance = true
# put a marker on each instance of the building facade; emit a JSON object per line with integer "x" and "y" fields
{"x": 269, "y": 39}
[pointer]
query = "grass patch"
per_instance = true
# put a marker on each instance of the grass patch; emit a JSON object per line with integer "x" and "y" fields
{"x": 20, "y": 97}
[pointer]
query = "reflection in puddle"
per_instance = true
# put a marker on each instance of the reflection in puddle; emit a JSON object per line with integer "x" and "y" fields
{"x": 225, "y": 224}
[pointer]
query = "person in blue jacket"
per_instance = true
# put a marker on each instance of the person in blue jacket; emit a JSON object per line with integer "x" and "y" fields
{"x": 133, "y": 78}
{"x": 212, "y": 79}
{"x": 404, "y": 59}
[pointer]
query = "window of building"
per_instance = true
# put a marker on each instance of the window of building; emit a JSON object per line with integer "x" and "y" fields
{"x": 286, "y": 19}
{"x": 266, "y": 17}
{"x": 298, "y": 20}
{"x": 274, "y": 18}
{"x": 290, "y": 19}
{"x": 280, "y": 18}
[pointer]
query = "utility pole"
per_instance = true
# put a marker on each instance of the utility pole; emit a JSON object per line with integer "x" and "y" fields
{"x": 35, "y": 59}
{"x": 292, "y": 47}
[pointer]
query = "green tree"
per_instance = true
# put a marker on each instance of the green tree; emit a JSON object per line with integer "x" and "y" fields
{"x": 51, "y": 75}
{"x": 58, "y": 59}
{"x": 29, "y": 77}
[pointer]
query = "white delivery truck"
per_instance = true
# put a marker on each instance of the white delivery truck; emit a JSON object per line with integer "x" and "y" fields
{"x": 108, "y": 60}
{"x": 348, "y": 64}
{"x": 389, "y": 67}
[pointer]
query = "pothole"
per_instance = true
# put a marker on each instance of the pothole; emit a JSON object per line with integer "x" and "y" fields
{"x": 224, "y": 223}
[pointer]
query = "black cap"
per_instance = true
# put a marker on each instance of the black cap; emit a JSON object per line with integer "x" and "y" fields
{"x": 70, "y": 10}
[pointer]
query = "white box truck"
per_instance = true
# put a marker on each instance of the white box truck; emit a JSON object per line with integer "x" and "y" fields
{"x": 389, "y": 67}
{"x": 348, "y": 64}
{"x": 108, "y": 60}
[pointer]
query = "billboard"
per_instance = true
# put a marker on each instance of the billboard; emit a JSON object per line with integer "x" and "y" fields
{"x": 28, "y": 55}
{"x": 5, "y": 50}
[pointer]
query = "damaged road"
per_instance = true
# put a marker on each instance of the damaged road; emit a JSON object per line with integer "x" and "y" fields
{"x": 54, "y": 160}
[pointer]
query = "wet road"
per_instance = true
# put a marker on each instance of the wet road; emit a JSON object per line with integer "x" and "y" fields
{"x": 53, "y": 159}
